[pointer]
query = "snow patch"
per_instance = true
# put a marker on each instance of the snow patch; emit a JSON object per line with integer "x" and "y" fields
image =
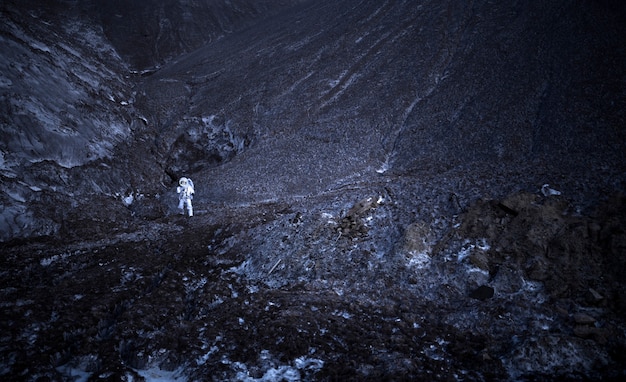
{"x": 241, "y": 268}
{"x": 156, "y": 374}
{"x": 343, "y": 314}
{"x": 202, "y": 359}
{"x": 418, "y": 260}
{"x": 301, "y": 366}
{"x": 79, "y": 369}
{"x": 468, "y": 248}
{"x": 465, "y": 251}
{"x": 47, "y": 261}
{"x": 128, "y": 200}
{"x": 548, "y": 354}
{"x": 384, "y": 167}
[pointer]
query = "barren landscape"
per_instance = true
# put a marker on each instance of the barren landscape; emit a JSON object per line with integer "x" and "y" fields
{"x": 385, "y": 190}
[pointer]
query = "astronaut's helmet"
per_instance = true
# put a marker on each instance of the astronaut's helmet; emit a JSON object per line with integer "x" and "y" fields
{"x": 183, "y": 181}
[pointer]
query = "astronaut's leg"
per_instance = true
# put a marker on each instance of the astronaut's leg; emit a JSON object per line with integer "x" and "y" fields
{"x": 181, "y": 206}
{"x": 189, "y": 207}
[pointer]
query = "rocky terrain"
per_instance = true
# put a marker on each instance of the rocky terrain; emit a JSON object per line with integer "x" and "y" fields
{"x": 385, "y": 190}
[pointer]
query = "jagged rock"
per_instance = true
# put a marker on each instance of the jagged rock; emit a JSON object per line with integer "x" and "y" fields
{"x": 353, "y": 223}
{"x": 481, "y": 260}
{"x": 583, "y": 319}
{"x": 517, "y": 203}
{"x": 483, "y": 292}
{"x": 597, "y": 334}
{"x": 595, "y": 296}
{"x": 415, "y": 244}
{"x": 416, "y": 239}
{"x": 546, "y": 190}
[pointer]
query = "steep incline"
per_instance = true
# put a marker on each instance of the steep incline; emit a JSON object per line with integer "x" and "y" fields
{"x": 320, "y": 96}
{"x": 337, "y": 91}
{"x": 71, "y": 136}
{"x": 150, "y": 33}
{"x": 65, "y": 103}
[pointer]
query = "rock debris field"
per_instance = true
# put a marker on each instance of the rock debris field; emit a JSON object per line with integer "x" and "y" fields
{"x": 385, "y": 190}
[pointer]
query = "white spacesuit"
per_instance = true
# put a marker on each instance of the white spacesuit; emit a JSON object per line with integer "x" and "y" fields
{"x": 185, "y": 191}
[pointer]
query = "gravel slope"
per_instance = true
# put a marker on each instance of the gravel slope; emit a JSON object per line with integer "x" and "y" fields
{"x": 368, "y": 203}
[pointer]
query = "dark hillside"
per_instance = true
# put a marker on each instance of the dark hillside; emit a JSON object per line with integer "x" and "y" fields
{"x": 409, "y": 88}
{"x": 385, "y": 190}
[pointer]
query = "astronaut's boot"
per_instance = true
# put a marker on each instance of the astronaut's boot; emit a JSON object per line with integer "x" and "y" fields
{"x": 190, "y": 211}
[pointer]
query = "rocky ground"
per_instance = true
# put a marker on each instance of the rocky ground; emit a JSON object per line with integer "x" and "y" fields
{"x": 521, "y": 288}
{"x": 370, "y": 199}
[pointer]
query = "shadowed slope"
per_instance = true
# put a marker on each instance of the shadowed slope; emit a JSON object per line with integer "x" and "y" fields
{"x": 404, "y": 88}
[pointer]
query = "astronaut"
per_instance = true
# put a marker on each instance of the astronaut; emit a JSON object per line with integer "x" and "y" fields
{"x": 185, "y": 191}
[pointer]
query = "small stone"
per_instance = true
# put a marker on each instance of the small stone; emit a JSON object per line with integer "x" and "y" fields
{"x": 562, "y": 311}
{"x": 596, "y": 297}
{"x": 416, "y": 237}
{"x": 599, "y": 335}
{"x": 583, "y": 331}
{"x": 482, "y": 293}
{"x": 583, "y": 319}
{"x": 517, "y": 203}
{"x": 480, "y": 260}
